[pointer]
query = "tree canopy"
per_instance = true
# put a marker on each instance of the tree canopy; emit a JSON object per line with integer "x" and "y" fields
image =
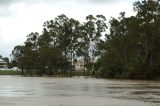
{"x": 131, "y": 49}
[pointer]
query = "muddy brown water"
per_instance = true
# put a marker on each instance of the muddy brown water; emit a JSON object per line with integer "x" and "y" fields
{"x": 77, "y": 91}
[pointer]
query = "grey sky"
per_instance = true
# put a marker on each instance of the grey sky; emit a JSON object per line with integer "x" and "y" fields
{"x": 20, "y": 17}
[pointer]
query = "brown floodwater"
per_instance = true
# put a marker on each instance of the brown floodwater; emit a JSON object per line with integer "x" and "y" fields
{"x": 77, "y": 91}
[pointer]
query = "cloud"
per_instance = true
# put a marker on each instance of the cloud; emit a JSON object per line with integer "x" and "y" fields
{"x": 4, "y": 12}
{"x": 6, "y": 2}
{"x": 102, "y": 1}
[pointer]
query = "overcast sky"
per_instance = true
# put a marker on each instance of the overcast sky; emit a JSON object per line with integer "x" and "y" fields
{"x": 20, "y": 17}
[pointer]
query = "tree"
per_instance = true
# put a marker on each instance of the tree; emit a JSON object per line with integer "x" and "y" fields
{"x": 1, "y": 57}
{"x": 148, "y": 11}
{"x": 58, "y": 34}
{"x": 31, "y": 52}
{"x": 63, "y": 33}
{"x": 91, "y": 33}
{"x": 131, "y": 48}
{"x": 18, "y": 57}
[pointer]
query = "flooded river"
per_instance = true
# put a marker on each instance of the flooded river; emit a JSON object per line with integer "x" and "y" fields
{"x": 77, "y": 91}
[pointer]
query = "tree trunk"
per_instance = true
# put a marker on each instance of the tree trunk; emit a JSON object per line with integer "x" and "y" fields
{"x": 22, "y": 71}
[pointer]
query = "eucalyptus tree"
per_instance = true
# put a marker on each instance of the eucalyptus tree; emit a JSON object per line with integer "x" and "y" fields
{"x": 58, "y": 32}
{"x": 31, "y": 54}
{"x": 121, "y": 47}
{"x": 44, "y": 43}
{"x": 91, "y": 33}
{"x": 73, "y": 36}
{"x": 18, "y": 57}
{"x": 148, "y": 11}
{"x": 64, "y": 34}
{"x": 26, "y": 56}
{"x": 131, "y": 50}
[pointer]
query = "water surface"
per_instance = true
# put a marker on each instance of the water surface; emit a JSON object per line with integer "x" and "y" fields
{"x": 77, "y": 91}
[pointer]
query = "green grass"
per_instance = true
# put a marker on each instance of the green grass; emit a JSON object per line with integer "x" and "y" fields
{"x": 76, "y": 73}
{"x": 10, "y": 73}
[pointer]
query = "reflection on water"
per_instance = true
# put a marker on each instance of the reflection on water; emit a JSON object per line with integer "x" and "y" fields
{"x": 77, "y": 91}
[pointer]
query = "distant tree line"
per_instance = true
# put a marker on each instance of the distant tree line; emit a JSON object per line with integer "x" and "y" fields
{"x": 62, "y": 41}
{"x": 130, "y": 49}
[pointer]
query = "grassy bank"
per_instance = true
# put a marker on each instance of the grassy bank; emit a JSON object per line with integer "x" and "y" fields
{"x": 10, "y": 73}
{"x": 61, "y": 74}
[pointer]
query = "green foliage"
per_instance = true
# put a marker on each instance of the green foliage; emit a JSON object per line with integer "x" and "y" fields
{"x": 131, "y": 50}
{"x": 62, "y": 41}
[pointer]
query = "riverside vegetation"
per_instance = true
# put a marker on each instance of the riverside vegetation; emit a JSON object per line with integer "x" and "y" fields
{"x": 126, "y": 47}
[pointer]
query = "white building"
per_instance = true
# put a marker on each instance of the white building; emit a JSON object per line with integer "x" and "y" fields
{"x": 79, "y": 65}
{"x": 3, "y": 64}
